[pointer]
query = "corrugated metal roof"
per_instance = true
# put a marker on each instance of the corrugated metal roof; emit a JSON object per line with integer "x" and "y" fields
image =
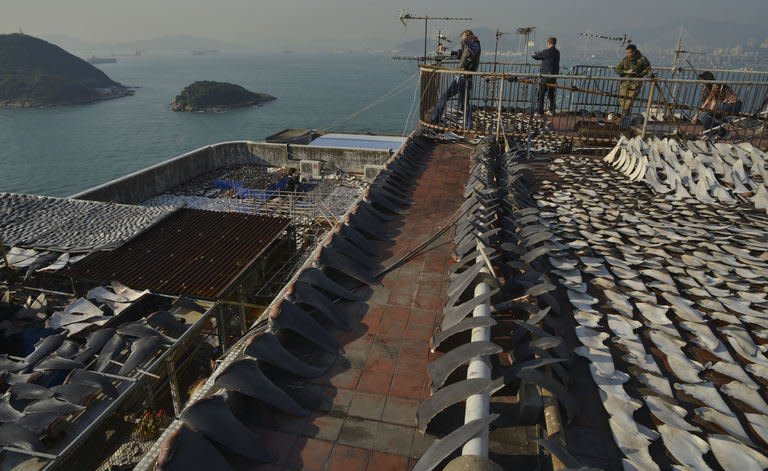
{"x": 192, "y": 252}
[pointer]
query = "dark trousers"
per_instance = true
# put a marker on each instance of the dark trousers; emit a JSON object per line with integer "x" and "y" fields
{"x": 546, "y": 89}
{"x": 458, "y": 86}
{"x": 710, "y": 119}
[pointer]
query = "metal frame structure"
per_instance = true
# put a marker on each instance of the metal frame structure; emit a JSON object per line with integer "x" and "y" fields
{"x": 663, "y": 106}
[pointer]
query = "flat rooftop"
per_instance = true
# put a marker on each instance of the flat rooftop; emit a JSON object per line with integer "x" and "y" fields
{"x": 359, "y": 141}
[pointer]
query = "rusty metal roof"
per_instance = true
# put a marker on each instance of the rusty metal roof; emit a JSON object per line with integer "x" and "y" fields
{"x": 192, "y": 252}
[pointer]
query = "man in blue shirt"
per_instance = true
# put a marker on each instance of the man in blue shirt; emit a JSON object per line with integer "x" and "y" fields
{"x": 550, "y": 65}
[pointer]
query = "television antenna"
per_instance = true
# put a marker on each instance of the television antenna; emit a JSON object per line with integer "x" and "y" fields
{"x": 407, "y": 16}
{"x": 526, "y": 32}
{"x": 622, "y": 39}
{"x": 441, "y": 50}
{"x": 681, "y": 53}
{"x": 499, "y": 34}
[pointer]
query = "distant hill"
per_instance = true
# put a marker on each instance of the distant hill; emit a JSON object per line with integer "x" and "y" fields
{"x": 703, "y": 34}
{"x": 34, "y": 72}
{"x": 216, "y": 96}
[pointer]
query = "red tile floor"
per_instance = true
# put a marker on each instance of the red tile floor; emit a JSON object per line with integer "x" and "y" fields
{"x": 382, "y": 375}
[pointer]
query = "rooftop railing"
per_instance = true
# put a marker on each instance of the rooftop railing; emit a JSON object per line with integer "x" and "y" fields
{"x": 503, "y": 98}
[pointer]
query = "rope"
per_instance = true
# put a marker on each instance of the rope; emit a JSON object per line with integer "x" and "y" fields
{"x": 390, "y": 94}
{"x": 410, "y": 111}
{"x": 422, "y": 247}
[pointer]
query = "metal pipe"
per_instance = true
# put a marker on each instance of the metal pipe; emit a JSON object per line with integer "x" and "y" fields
{"x": 36, "y": 454}
{"x": 477, "y": 405}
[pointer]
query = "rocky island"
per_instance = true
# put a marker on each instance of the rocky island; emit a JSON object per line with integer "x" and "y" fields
{"x": 34, "y": 72}
{"x": 216, "y": 96}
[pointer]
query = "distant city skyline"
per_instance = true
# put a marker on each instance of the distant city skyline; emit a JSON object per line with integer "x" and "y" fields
{"x": 351, "y": 24}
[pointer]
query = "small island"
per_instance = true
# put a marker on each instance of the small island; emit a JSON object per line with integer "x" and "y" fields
{"x": 36, "y": 73}
{"x": 217, "y": 96}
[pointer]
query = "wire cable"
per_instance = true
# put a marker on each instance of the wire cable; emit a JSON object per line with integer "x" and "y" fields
{"x": 388, "y": 95}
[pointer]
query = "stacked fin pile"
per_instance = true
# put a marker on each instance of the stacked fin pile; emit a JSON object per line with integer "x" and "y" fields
{"x": 727, "y": 174}
{"x": 670, "y": 301}
{"x": 542, "y": 358}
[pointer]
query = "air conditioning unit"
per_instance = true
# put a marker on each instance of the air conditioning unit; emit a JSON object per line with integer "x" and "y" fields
{"x": 309, "y": 169}
{"x": 370, "y": 172}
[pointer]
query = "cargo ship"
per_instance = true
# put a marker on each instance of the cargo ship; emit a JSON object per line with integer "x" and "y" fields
{"x": 496, "y": 290}
{"x": 101, "y": 60}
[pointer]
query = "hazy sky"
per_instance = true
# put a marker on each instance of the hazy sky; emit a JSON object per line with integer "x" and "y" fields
{"x": 314, "y": 24}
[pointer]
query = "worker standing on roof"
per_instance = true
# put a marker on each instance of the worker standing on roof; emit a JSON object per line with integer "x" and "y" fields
{"x": 550, "y": 65}
{"x": 292, "y": 180}
{"x": 633, "y": 65}
{"x": 469, "y": 59}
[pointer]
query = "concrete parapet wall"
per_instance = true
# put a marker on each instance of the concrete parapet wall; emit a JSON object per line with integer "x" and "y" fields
{"x": 346, "y": 159}
{"x": 151, "y": 181}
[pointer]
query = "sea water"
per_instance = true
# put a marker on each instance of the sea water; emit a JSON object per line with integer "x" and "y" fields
{"x": 62, "y": 150}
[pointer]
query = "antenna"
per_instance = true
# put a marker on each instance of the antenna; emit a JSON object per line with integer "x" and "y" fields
{"x": 527, "y": 31}
{"x": 499, "y": 34}
{"x": 680, "y": 52}
{"x": 620, "y": 40}
{"x": 440, "y": 50}
{"x": 623, "y": 39}
{"x": 405, "y": 15}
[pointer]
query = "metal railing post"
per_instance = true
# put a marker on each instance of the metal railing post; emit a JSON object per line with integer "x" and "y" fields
{"x": 498, "y": 109}
{"x": 648, "y": 107}
{"x": 173, "y": 384}
{"x": 465, "y": 104}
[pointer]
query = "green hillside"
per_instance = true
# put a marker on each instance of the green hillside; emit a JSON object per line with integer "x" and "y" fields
{"x": 34, "y": 72}
{"x": 216, "y": 96}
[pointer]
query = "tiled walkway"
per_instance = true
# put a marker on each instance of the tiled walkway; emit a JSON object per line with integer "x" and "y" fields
{"x": 380, "y": 380}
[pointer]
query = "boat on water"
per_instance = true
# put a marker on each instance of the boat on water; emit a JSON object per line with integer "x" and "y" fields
{"x": 101, "y": 60}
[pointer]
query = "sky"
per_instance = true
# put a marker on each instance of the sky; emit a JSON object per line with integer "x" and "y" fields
{"x": 348, "y": 24}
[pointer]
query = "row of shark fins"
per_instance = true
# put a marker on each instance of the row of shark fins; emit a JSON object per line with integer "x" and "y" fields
{"x": 541, "y": 356}
{"x": 309, "y": 310}
{"x": 717, "y": 173}
{"x": 476, "y": 224}
{"x": 497, "y": 229}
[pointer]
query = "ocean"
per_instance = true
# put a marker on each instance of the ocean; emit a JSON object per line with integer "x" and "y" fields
{"x": 62, "y": 150}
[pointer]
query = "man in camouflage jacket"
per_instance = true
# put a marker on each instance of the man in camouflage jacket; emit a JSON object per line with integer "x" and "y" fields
{"x": 633, "y": 64}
